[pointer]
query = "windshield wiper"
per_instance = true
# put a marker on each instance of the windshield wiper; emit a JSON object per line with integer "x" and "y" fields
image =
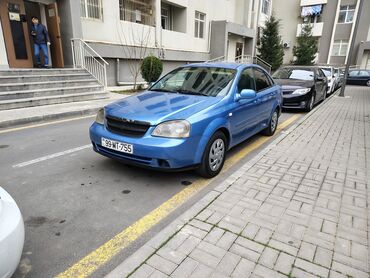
{"x": 162, "y": 90}
{"x": 187, "y": 92}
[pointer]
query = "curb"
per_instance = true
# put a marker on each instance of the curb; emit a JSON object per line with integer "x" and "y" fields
{"x": 50, "y": 117}
{"x": 134, "y": 261}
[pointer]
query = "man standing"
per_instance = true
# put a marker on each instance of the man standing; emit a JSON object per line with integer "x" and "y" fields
{"x": 41, "y": 40}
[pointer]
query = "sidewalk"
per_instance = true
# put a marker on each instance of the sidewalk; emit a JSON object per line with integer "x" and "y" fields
{"x": 22, "y": 116}
{"x": 299, "y": 209}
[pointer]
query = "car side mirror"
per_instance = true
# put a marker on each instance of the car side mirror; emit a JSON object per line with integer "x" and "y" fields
{"x": 247, "y": 94}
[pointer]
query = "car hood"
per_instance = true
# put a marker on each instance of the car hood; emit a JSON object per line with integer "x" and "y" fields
{"x": 157, "y": 107}
{"x": 291, "y": 85}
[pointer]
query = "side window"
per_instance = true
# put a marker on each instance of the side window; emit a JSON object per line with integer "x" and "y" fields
{"x": 246, "y": 80}
{"x": 320, "y": 73}
{"x": 262, "y": 81}
{"x": 353, "y": 73}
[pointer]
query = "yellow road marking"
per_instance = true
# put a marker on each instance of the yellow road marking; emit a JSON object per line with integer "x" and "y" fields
{"x": 44, "y": 124}
{"x": 89, "y": 264}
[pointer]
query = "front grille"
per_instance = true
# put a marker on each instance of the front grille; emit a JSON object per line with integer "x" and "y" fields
{"x": 126, "y": 127}
{"x": 287, "y": 92}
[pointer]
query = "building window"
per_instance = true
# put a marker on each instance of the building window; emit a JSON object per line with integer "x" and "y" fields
{"x": 166, "y": 17}
{"x": 266, "y": 6}
{"x": 92, "y": 9}
{"x": 138, "y": 11}
{"x": 346, "y": 14}
{"x": 340, "y": 48}
{"x": 200, "y": 21}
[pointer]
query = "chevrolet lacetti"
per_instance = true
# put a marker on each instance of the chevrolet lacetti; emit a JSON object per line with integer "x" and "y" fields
{"x": 190, "y": 117}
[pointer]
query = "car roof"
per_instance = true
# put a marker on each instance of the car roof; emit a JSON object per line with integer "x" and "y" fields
{"x": 226, "y": 65}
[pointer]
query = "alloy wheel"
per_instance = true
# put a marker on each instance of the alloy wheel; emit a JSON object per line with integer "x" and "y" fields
{"x": 216, "y": 154}
{"x": 312, "y": 101}
{"x": 274, "y": 120}
{"x": 368, "y": 83}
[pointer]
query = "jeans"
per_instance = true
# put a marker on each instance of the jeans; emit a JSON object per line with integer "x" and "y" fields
{"x": 44, "y": 49}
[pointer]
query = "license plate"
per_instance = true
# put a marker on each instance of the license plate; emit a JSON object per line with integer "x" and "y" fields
{"x": 117, "y": 146}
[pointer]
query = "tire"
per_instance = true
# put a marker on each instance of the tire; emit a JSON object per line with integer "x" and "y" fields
{"x": 209, "y": 167}
{"x": 368, "y": 83}
{"x": 311, "y": 103}
{"x": 273, "y": 123}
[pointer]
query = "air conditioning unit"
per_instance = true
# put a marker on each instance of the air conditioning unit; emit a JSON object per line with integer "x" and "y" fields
{"x": 286, "y": 45}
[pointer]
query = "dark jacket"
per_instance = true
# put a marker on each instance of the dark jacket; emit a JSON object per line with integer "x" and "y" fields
{"x": 40, "y": 34}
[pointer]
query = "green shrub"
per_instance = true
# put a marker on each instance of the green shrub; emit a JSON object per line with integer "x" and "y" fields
{"x": 151, "y": 68}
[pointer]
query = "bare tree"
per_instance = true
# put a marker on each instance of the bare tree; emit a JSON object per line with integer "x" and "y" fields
{"x": 135, "y": 46}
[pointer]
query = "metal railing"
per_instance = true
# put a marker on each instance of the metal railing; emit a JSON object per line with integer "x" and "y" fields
{"x": 85, "y": 57}
{"x": 262, "y": 63}
{"x": 244, "y": 59}
{"x": 218, "y": 59}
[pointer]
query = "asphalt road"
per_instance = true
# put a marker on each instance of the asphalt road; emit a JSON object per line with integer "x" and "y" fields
{"x": 76, "y": 200}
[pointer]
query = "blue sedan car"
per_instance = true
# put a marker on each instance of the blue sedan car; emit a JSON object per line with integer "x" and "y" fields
{"x": 190, "y": 117}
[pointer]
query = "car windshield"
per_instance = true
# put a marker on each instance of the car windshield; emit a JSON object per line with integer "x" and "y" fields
{"x": 293, "y": 73}
{"x": 327, "y": 71}
{"x": 206, "y": 81}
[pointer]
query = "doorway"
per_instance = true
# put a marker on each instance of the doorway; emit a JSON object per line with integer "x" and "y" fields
{"x": 16, "y": 35}
{"x": 239, "y": 49}
{"x": 16, "y": 22}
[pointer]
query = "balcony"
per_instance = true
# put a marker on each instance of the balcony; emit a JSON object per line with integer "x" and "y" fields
{"x": 313, "y": 2}
{"x": 316, "y": 29}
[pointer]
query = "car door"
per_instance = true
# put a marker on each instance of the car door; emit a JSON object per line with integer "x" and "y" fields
{"x": 243, "y": 118}
{"x": 352, "y": 78}
{"x": 266, "y": 94}
{"x": 320, "y": 84}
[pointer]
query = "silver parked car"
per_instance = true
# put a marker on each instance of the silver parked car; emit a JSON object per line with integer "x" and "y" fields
{"x": 11, "y": 235}
{"x": 330, "y": 74}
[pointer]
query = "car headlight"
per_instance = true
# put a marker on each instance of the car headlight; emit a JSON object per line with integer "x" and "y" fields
{"x": 100, "y": 116}
{"x": 173, "y": 129}
{"x": 301, "y": 91}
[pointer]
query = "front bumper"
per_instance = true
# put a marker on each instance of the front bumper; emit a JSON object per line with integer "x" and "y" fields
{"x": 296, "y": 101}
{"x": 168, "y": 154}
{"x": 11, "y": 235}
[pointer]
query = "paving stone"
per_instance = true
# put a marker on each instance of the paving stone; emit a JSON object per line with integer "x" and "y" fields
{"x": 323, "y": 257}
{"x": 268, "y": 257}
{"x": 348, "y": 270}
{"x": 158, "y": 274}
{"x": 171, "y": 255}
{"x": 214, "y": 235}
{"x": 228, "y": 263}
{"x": 204, "y": 258}
{"x": 189, "y": 245}
{"x": 243, "y": 269}
{"x": 312, "y": 268}
{"x": 185, "y": 269}
{"x": 299, "y": 273}
{"x": 144, "y": 271}
{"x": 245, "y": 252}
{"x": 201, "y": 225}
{"x": 265, "y": 272}
{"x": 284, "y": 263}
{"x": 250, "y": 244}
{"x": 212, "y": 249}
{"x": 226, "y": 240}
{"x": 307, "y": 251}
{"x": 250, "y": 230}
{"x": 202, "y": 271}
{"x": 263, "y": 235}
{"x": 161, "y": 264}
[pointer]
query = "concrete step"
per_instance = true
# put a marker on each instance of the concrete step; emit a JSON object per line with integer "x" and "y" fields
{"x": 25, "y": 94}
{"x": 45, "y": 77}
{"x": 48, "y": 100}
{"x": 39, "y": 72}
{"x": 35, "y": 86}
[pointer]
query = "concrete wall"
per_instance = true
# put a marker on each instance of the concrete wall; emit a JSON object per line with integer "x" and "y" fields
{"x": 70, "y": 26}
{"x": 288, "y": 24}
{"x": 3, "y": 57}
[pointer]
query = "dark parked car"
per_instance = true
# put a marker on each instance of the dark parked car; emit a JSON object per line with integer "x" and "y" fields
{"x": 359, "y": 77}
{"x": 302, "y": 86}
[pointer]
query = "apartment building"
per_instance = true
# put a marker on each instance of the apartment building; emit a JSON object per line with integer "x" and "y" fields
{"x": 177, "y": 31}
{"x": 332, "y": 23}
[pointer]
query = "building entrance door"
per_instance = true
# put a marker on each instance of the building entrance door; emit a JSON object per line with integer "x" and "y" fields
{"x": 53, "y": 22}
{"x": 15, "y": 30}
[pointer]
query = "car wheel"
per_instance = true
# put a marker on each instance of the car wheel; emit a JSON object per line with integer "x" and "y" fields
{"x": 310, "y": 103}
{"x": 273, "y": 123}
{"x": 368, "y": 83}
{"x": 214, "y": 156}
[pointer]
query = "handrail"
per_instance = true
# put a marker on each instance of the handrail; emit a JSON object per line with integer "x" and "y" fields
{"x": 244, "y": 59}
{"x": 85, "y": 57}
{"x": 217, "y": 59}
{"x": 89, "y": 47}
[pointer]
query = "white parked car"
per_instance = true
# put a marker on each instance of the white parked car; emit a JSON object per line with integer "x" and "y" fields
{"x": 11, "y": 235}
{"x": 330, "y": 74}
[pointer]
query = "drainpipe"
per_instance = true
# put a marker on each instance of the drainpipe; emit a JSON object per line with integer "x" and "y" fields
{"x": 117, "y": 71}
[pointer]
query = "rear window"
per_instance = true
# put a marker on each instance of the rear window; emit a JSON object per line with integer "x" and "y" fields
{"x": 293, "y": 73}
{"x": 364, "y": 73}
